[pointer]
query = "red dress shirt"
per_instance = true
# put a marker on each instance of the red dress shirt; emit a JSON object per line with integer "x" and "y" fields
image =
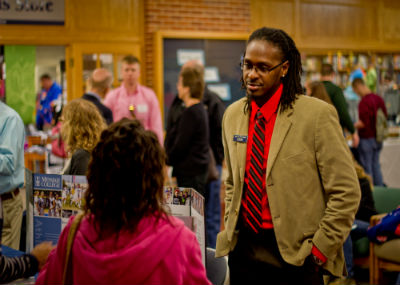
{"x": 269, "y": 111}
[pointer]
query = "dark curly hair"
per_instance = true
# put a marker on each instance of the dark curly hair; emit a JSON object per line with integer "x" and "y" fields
{"x": 125, "y": 178}
{"x": 292, "y": 80}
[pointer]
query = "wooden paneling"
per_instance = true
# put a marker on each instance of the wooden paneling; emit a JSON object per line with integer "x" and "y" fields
{"x": 335, "y": 22}
{"x": 121, "y": 18}
{"x": 276, "y": 14}
{"x": 315, "y": 25}
{"x": 85, "y": 21}
{"x": 391, "y": 24}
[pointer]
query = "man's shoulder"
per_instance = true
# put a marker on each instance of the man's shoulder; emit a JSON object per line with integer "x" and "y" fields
{"x": 310, "y": 105}
{"x": 331, "y": 87}
{"x": 90, "y": 97}
{"x": 147, "y": 90}
{"x": 114, "y": 93}
{"x": 56, "y": 86}
{"x": 236, "y": 106}
{"x": 7, "y": 112}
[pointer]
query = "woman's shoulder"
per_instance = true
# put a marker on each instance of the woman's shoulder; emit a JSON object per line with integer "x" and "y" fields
{"x": 80, "y": 152}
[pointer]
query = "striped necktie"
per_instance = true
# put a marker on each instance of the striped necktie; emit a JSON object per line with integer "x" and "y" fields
{"x": 256, "y": 175}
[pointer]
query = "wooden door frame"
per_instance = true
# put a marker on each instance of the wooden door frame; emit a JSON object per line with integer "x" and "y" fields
{"x": 75, "y": 63}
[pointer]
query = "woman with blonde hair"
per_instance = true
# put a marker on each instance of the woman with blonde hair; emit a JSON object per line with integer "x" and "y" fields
{"x": 81, "y": 129}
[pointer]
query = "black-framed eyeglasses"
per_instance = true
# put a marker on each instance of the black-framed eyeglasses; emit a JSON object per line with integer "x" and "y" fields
{"x": 246, "y": 66}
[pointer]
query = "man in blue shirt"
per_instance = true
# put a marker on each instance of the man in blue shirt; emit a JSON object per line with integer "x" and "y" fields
{"x": 12, "y": 138}
{"x": 50, "y": 92}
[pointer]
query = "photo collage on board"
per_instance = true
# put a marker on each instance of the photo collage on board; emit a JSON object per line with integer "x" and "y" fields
{"x": 55, "y": 199}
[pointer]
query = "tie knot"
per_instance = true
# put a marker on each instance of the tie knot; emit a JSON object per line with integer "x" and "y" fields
{"x": 259, "y": 116}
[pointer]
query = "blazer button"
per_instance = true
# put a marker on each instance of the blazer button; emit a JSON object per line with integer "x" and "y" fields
{"x": 236, "y": 212}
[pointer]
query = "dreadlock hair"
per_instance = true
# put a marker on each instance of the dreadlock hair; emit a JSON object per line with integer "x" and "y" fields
{"x": 292, "y": 81}
{"x": 125, "y": 178}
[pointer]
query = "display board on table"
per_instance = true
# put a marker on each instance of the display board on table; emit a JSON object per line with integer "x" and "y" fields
{"x": 52, "y": 199}
{"x": 188, "y": 205}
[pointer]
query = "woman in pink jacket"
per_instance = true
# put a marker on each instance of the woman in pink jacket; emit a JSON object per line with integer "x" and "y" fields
{"x": 126, "y": 237}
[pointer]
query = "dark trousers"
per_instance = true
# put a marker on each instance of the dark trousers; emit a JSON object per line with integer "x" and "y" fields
{"x": 256, "y": 260}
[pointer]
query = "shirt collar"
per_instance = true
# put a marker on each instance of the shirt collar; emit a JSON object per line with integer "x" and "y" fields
{"x": 269, "y": 108}
{"x": 94, "y": 95}
{"x": 126, "y": 90}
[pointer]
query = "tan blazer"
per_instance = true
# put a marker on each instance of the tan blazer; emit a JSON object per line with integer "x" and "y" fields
{"x": 312, "y": 186}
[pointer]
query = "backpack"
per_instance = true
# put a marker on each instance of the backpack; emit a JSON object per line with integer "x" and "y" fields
{"x": 382, "y": 131}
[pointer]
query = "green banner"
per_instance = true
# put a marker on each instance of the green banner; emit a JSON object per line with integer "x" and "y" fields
{"x": 20, "y": 80}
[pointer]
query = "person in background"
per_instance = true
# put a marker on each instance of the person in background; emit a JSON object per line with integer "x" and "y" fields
{"x": 24, "y": 266}
{"x": 12, "y": 169}
{"x": 215, "y": 109}
{"x": 133, "y": 100}
{"x": 338, "y": 100}
{"x": 369, "y": 148}
{"x": 126, "y": 237}
{"x": 50, "y": 92}
{"x": 391, "y": 96}
{"x": 317, "y": 90}
{"x": 371, "y": 77}
{"x": 188, "y": 152}
{"x": 291, "y": 188}
{"x": 99, "y": 85}
{"x": 81, "y": 129}
{"x": 386, "y": 236}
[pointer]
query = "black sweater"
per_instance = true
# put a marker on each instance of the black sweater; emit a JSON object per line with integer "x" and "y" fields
{"x": 215, "y": 109}
{"x": 79, "y": 163}
{"x": 188, "y": 153}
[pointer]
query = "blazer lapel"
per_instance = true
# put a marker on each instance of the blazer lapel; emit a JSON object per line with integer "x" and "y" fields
{"x": 282, "y": 126}
{"x": 241, "y": 148}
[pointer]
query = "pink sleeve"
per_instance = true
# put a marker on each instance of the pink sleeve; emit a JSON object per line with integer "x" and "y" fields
{"x": 196, "y": 272}
{"x": 155, "y": 118}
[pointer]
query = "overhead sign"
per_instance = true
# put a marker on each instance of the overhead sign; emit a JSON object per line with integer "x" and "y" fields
{"x": 32, "y": 12}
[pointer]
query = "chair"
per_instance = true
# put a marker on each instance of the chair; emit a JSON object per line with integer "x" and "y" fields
{"x": 386, "y": 200}
{"x": 217, "y": 268}
{"x": 377, "y": 262}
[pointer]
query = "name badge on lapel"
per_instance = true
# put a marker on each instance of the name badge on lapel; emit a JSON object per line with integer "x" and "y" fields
{"x": 240, "y": 139}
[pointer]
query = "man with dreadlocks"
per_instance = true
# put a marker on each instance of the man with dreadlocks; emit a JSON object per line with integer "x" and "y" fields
{"x": 291, "y": 188}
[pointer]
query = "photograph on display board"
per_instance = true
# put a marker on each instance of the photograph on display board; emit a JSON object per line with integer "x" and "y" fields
{"x": 73, "y": 191}
{"x": 47, "y": 203}
{"x": 51, "y": 200}
{"x": 187, "y": 205}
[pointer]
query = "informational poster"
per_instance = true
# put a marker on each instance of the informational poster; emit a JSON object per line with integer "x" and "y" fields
{"x": 184, "y": 55}
{"x": 187, "y": 205}
{"x": 211, "y": 74}
{"x": 223, "y": 90}
{"x": 53, "y": 200}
